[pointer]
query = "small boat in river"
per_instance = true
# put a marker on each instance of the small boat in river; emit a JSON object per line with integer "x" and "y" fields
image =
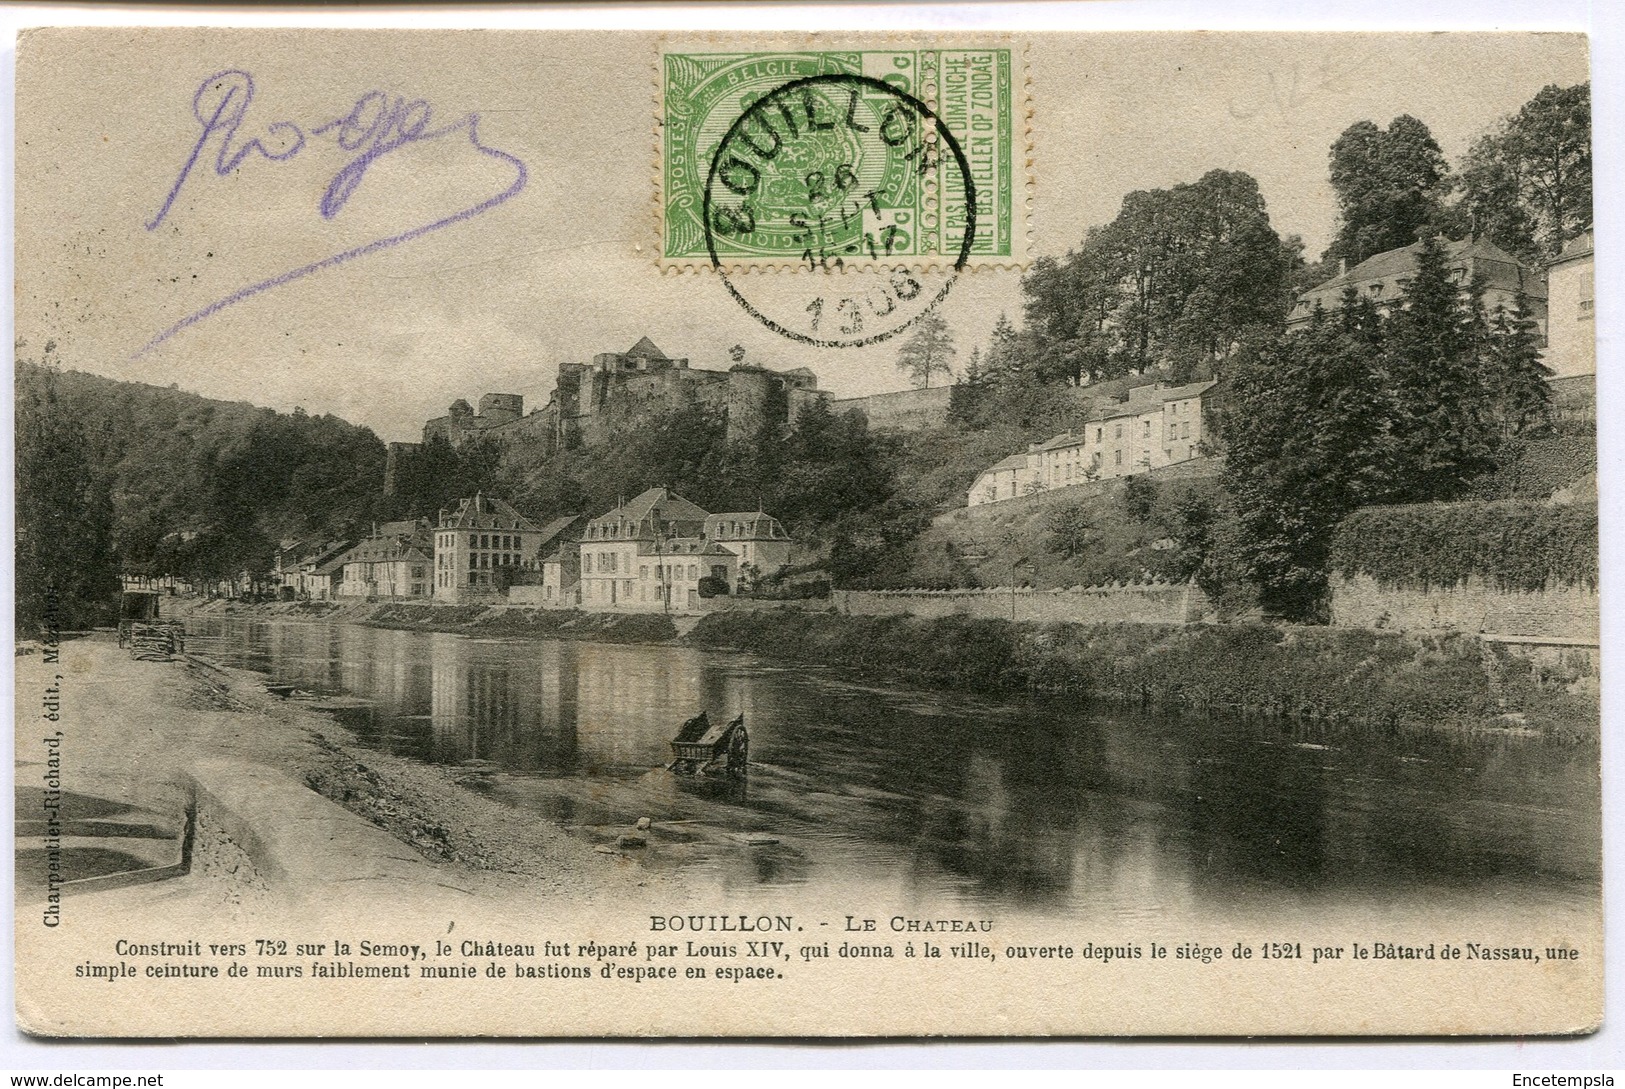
{"x": 700, "y": 747}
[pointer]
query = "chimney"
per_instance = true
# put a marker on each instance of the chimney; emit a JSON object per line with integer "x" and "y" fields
{"x": 1342, "y": 266}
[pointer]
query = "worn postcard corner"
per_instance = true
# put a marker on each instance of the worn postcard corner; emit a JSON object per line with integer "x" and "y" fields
{"x": 907, "y": 534}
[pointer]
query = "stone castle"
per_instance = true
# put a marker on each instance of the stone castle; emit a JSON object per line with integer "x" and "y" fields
{"x": 593, "y": 404}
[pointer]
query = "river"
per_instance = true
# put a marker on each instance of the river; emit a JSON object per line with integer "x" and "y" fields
{"x": 1036, "y": 805}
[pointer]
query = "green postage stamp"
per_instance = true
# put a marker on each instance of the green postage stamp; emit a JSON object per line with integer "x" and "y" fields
{"x": 830, "y": 158}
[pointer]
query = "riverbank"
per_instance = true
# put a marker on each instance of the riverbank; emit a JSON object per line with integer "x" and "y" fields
{"x": 1389, "y": 680}
{"x": 1383, "y": 679}
{"x": 480, "y": 621}
{"x": 287, "y": 804}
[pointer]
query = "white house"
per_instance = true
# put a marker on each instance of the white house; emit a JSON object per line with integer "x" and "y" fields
{"x": 1156, "y": 425}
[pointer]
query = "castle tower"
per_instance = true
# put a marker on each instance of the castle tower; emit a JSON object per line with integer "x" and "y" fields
{"x": 501, "y": 408}
{"x": 755, "y": 398}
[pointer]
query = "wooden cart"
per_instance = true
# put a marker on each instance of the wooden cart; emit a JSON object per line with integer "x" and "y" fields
{"x": 701, "y": 747}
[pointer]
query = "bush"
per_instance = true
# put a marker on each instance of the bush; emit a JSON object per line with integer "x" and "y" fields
{"x": 1533, "y": 467}
{"x": 1510, "y": 545}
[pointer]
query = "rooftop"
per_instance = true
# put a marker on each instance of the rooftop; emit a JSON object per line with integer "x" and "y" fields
{"x": 1400, "y": 264}
{"x": 1581, "y": 245}
{"x": 646, "y": 348}
{"x": 1140, "y": 402}
{"x": 655, "y": 504}
{"x": 385, "y": 549}
{"x": 484, "y": 512}
{"x": 681, "y": 546}
{"x": 557, "y": 527}
{"x": 752, "y": 525}
{"x": 1014, "y": 461}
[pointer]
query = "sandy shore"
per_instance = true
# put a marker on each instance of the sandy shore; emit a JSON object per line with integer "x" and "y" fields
{"x": 153, "y": 733}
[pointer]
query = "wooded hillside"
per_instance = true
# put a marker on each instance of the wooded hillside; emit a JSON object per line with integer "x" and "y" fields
{"x": 196, "y": 486}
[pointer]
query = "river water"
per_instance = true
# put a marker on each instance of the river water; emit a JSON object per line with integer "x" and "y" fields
{"x": 942, "y": 797}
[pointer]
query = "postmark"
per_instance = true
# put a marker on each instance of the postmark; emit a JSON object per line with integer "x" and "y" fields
{"x": 973, "y": 95}
{"x": 852, "y": 170}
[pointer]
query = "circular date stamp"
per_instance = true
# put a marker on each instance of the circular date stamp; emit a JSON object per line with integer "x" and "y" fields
{"x": 862, "y": 194}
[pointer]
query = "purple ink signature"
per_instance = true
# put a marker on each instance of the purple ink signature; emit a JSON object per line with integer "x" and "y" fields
{"x": 374, "y": 127}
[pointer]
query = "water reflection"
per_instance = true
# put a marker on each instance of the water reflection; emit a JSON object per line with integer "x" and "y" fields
{"x": 1035, "y": 802}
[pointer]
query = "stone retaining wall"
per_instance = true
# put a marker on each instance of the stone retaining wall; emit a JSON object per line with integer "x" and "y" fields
{"x": 1563, "y": 613}
{"x": 1154, "y": 603}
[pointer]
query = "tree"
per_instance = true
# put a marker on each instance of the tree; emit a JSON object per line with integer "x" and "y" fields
{"x": 929, "y": 352}
{"x": 1435, "y": 359}
{"x": 1527, "y": 185}
{"x": 1070, "y": 530}
{"x": 1005, "y": 365}
{"x": 1390, "y": 185}
{"x": 66, "y": 569}
{"x": 1068, "y": 304}
{"x": 1310, "y": 437}
{"x": 1517, "y": 376}
{"x": 975, "y": 375}
{"x": 1357, "y": 409}
{"x": 1178, "y": 279}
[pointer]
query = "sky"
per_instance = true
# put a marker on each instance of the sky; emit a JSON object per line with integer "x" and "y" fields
{"x": 563, "y": 268}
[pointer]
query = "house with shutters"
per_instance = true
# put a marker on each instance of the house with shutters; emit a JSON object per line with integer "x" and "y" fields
{"x": 480, "y": 545}
{"x": 391, "y": 564}
{"x": 658, "y": 552}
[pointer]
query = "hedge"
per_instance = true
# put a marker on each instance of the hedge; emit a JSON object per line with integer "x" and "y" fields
{"x": 1513, "y": 545}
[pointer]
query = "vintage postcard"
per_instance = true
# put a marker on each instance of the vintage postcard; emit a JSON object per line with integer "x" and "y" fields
{"x": 544, "y": 533}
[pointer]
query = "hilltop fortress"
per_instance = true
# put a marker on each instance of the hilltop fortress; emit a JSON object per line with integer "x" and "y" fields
{"x": 595, "y": 403}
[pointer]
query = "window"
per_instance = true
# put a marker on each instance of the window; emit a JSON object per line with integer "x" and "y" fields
{"x": 1119, "y": 430}
{"x": 643, "y": 571}
{"x": 473, "y": 561}
{"x": 1148, "y": 429}
{"x": 1100, "y": 435}
{"x": 693, "y": 571}
{"x": 473, "y": 541}
{"x": 1119, "y": 458}
{"x": 1185, "y": 430}
{"x": 1376, "y": 290}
